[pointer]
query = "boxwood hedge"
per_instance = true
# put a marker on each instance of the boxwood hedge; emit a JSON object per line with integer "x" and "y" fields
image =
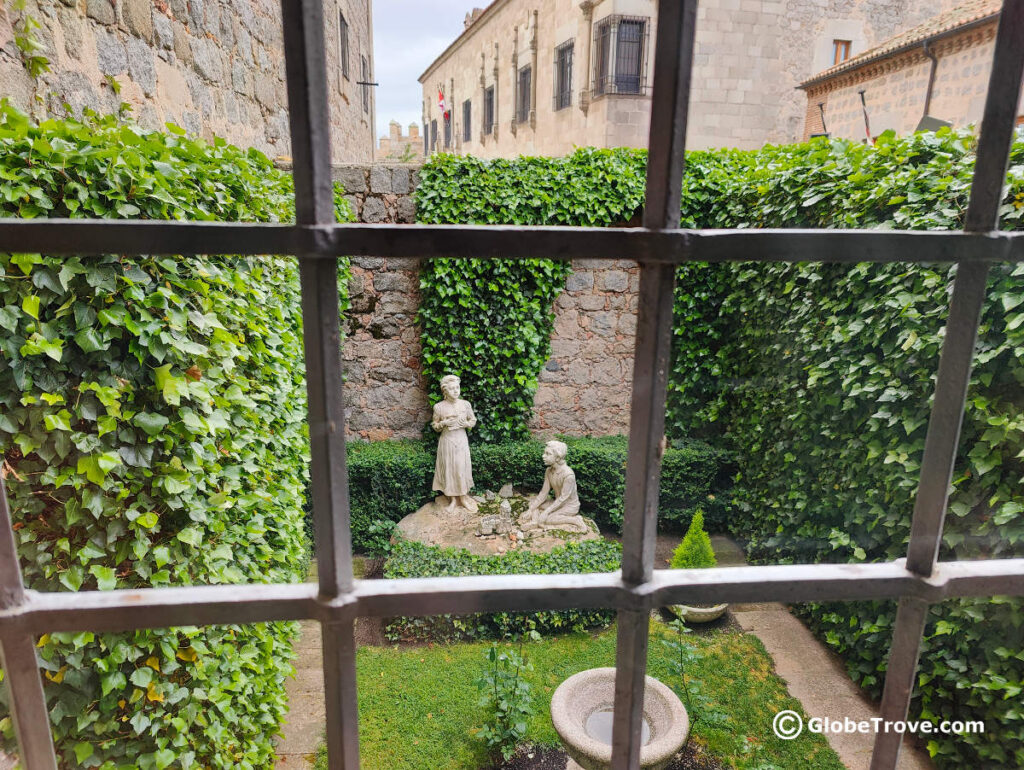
{"x": 152, "y": 416}
{"x": 408, "y": 559}
{"x": 390, "y": 479}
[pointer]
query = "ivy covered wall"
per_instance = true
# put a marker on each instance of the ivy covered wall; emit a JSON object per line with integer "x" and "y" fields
{"x": 152, "y": 428}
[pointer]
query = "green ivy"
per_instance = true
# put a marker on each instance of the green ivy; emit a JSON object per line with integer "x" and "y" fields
{"x": 152, "y": 424}
{"x": 408, "y": 559}
{"x": 820, "y": 377}
{"x": 490, "y": 321}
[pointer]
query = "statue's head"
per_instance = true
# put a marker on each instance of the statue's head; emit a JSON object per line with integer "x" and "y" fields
{"x": 450, "y": 385}
{"x": 555, "y": 452}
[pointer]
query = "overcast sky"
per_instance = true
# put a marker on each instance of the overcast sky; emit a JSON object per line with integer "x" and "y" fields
{"x": 407, "y": 36}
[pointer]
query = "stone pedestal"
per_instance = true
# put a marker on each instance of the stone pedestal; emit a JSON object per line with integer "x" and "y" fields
{"x": 483, "y": 533}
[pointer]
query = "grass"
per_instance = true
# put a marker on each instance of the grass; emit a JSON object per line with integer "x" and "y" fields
{"x": 418, "y": 706}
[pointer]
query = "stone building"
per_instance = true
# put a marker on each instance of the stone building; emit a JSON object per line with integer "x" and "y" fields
{"x": 396, "y": 147}
{"x": 533, "y": 77}
{"x": 938, "y": 69}
{"x": 209, "y": 66}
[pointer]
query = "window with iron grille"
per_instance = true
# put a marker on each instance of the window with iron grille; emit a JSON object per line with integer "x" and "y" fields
{"x": 364, "y": 69}
{"x": 336, "y": 600}
{"x": 467, "y": 121}
{"x": 620, "y": 55}
{"x": 523, "y": 105}
{"x": 343, "y": 44}
{"x": 489, "y": 110}
{"x": 447, "y": 131}
{"x": 433, "y": 136}
{"x": 563, "y": 75}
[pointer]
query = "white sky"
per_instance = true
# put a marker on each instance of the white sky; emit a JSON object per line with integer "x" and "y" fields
{"x": 407, "y": 36}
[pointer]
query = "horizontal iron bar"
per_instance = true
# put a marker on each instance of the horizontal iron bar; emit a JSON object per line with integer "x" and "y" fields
{"x": 75, "y": 236}
{"x": 228, "y": 604}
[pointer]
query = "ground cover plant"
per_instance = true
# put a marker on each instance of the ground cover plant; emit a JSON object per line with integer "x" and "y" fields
{"x": 423, "y": 714}
{"x": 819, "y": 378}
{"x": 152, "y": 424}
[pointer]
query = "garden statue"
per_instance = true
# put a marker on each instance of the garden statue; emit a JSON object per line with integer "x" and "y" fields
{"x": 453, "y": 473}
{"x": 563, "y": 512}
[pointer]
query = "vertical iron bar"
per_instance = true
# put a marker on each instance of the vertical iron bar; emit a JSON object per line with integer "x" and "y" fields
{"x": 18, "y": 659}
{"x": 968, "y": 293}
{"x": 669, "y": 102}
{"x": 954, "y": 374}
{"x": 900, "y": 676}
{"x": 309, "y": 118}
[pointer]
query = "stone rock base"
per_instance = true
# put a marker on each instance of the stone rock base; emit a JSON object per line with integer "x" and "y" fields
{"x": 431, "y": 526}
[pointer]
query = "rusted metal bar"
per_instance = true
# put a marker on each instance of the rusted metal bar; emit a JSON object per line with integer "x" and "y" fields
{"x": 314, "y": 205}
{"x": 670, "y": 98}
{"x": 18, "y": 658}
{"x": 673, "y": 246}
{"x": 123, "y": 609}
{"x": 954, "y": 374}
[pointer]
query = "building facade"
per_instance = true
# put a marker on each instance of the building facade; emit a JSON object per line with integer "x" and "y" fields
{"x": 407, "y": 148}
{"x": 530, "y": 77}
{"x": 938, "y": 69}
{"x": 209, "y": 66}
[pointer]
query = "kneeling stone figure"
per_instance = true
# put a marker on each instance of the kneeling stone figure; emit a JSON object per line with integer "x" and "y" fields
{"x": 564, "y": 511}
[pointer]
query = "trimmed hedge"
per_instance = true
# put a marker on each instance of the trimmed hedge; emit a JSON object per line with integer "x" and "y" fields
{"x": 152, "y": 424}
{"x": 820, "y": 377}
{"x": 410, "y": 559}
{"x": 390, "y": 479}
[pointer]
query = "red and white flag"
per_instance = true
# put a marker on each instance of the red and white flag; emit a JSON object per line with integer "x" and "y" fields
{"x": 441, "y": 104}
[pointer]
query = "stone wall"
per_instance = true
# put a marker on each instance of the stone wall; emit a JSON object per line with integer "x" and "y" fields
{"x": 584, "y": 388}
{"x": 209, "y": 66}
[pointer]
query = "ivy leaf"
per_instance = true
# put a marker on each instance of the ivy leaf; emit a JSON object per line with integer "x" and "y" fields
{"x": 106, "y": 578}
{"x": 31, "y": 306}
{"x": 151, "y": 422}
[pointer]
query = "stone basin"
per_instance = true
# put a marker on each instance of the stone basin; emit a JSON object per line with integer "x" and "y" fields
{"x": 585, "y": 700}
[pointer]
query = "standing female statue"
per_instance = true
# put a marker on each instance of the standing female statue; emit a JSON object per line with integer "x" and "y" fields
{"x": 453, "y": 474}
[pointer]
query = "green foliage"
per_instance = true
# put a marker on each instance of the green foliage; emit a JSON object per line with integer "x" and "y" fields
{"x": 390, "y": 479}
{"x": 506, "y": 699}
{"x": 695, "y": 551}
{"x": 152, "y": 423}
{"x": 410, "y": 559}
{"x": 422, "y": 717}
{"x": 490, "y": 321}
{"x": 820, "y": 377}
{"x": 682, "y": 658}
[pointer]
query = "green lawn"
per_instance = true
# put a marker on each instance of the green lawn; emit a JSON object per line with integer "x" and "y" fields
{"x": 418, "y": 706}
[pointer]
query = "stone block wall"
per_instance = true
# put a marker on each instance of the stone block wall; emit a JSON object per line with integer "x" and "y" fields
{"x": 213, "y": 67}
{"x": 585, "y": 386}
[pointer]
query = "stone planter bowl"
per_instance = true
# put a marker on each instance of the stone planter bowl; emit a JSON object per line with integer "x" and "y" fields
{"x": 698, "y": 614}
{"x": 582, "y": 694}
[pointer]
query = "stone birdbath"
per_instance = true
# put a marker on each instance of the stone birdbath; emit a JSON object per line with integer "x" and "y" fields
{"x": 692, "y": 614}
{"x": 581, "y": 711}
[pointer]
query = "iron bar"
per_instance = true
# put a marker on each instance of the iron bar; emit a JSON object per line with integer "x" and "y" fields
{"x": 954, "y": 373}
{"x": 670, "y": 98}
{"x": 18, "y": 657}
{"x": 57, "y": 237}
{"x": 124, "y": 609}
{"x": 314, "y": 205}
{"x": 27, "y": 701}
{"x": 900, "y": 675}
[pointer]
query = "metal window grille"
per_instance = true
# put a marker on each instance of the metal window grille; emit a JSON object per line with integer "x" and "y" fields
{"x": 563, "y": 75}
{"x": 343, "y": 44}
{"x": 523, "y": 84}
{"x": 467, "y": 121}
{"x": 489, "y": 110}
{"x": 317, "y": 241}
{"x": 620, "y": 55}
{"x": 433, "y": 135}
{"x": 364, "y": 74}
{"x": 447, "y": 132}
